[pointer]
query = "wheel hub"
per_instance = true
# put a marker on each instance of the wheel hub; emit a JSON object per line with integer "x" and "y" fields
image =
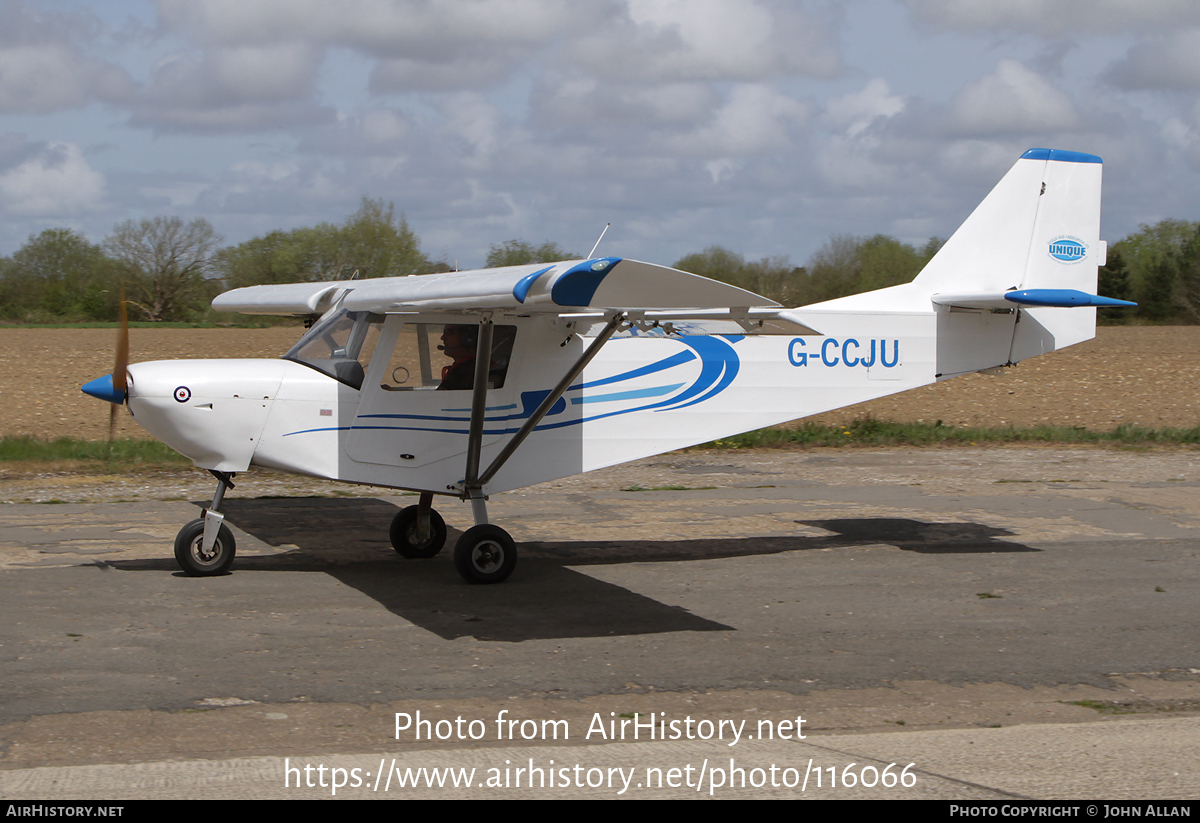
{"x": 488, "y": 555}
{"x": 203, "y": 556}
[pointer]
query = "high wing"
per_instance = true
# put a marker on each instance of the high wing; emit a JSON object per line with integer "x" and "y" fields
{"x": 648, "y": 295}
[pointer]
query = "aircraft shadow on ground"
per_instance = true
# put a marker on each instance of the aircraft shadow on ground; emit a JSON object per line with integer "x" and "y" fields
{"x": 347, "y": 539}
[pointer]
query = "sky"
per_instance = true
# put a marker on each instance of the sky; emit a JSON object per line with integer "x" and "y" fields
{"x": 764, "y": 127}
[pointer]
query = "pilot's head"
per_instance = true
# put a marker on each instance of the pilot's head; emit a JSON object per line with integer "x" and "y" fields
{"x": 459, "y": 340}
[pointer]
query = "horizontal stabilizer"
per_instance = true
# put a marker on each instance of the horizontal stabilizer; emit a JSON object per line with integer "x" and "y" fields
{"x": 1063, "y": 298}
{"x": 1014, "y": 298}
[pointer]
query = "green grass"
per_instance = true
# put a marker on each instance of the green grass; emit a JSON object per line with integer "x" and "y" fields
{"x": 871, "y": 432}
{"x": 1137, "y": 706}
{"x": 121, "y": 453}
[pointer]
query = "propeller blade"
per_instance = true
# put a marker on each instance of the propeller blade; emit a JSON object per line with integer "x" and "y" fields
{"x": 119, "y": 376}
{"x": 119, "y": 368}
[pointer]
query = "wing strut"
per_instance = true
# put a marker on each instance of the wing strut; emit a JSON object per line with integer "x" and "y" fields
{"x": 483, "y": 359}
{"x": 474, "y": 482}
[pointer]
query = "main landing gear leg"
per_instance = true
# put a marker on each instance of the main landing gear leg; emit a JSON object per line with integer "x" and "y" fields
{"x": 485, "y": 553}
{"x": 205, "y": 547}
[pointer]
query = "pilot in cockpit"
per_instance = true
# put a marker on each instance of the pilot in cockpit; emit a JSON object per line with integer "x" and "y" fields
{"x": 459, "y": 342}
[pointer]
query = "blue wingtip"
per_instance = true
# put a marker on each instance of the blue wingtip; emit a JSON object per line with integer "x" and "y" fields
{"x": 102, "y": 389}
{"x": 577, "y": 285}
{"x": 521, "y": 290}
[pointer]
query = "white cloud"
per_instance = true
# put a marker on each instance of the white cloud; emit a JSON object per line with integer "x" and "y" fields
{"x": 1011, "y": 100}
{"x": 755, "y": 119}
{"x": 714, "y": 40}
{"x": 385, "y": 127}
{"x": 1169, "y": 62}
{"x": 43, "y": 78}
{"x": 854, "y": 113}
{"x": 381, "y": 27}
{"x": 587, "y": 101}
{"x": 474, "y": 123}
{"x": 447, "y": 45}
{"x": 1055, "y": 18}
{"x": 241, "y": 88}
{"x": 447, "y": 72}
{"x": 53, "y": 180}
{"x": 44, "y": 65}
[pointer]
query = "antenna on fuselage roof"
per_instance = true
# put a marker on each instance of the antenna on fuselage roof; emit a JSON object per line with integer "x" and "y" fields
{"x": 598, "y": 239}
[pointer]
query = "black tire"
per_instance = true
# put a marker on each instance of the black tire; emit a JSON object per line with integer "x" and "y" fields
{"x": 404, "y": 534}
{"x": 189, "y": 552}
{"x": 485, "y": 554}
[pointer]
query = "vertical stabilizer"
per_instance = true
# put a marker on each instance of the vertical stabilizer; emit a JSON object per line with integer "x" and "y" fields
{"x": 1037, "y": 231}
{"x": 1065, "y": 252}
{"x": 1039, "y": 228}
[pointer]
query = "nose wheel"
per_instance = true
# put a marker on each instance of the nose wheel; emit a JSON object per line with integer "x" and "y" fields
{"x": 204, "y": 556}
{"x": 194, "y": 559}
{"x": 485, "y": 554}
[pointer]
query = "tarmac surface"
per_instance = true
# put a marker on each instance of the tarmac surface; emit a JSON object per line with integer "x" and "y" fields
{"x": 1015, "y": 623}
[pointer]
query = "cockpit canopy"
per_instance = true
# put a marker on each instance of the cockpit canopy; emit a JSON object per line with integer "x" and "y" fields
{"x": 426, "y": 356}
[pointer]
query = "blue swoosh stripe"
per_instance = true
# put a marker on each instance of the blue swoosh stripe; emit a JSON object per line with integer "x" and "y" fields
{"x": 486, "y": 408}
{"x": 661, "y": 365}
{"x": 633, "y": 394}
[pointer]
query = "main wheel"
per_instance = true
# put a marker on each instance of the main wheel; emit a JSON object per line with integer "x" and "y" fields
{"x": 190, "y": 555}
{"x": 485, "y": 554}
{"x": 404, "y": 534}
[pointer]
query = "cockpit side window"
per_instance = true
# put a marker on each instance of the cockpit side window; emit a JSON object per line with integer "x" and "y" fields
{"x": 340, "y": 345}
{"x": 442, "y": 356}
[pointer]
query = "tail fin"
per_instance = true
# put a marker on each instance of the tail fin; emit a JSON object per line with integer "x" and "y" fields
{"x": 1038, "y": 228}
{"x": 1001, "y": 285}
{"x": 1037, "y": 232}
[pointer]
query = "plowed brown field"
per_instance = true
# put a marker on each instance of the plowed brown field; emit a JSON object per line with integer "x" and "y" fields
{"x": 1142, "y": 375}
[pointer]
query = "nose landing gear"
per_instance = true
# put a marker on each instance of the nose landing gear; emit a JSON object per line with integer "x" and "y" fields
{"x": 194, "y": 559}
{"x": 205, "y": 547}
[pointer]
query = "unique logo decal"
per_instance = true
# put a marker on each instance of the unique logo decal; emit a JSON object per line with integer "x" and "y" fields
{"x": 1068, "y": 249}
{"x": 183, "y": 394}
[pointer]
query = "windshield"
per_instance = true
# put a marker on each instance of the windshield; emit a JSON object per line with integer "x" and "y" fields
{"x": 340, "y": 345}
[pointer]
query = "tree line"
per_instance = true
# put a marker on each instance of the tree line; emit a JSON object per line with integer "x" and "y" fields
{"x": 171, "y": 270}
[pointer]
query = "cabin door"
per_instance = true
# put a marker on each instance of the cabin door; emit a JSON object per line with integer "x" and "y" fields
{"x": 416, "y": 397}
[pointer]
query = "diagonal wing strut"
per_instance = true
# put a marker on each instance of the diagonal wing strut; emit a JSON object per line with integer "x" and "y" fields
{"x": 473, "y": 483}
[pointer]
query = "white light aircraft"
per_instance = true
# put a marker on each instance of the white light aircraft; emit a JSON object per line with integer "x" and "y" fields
{"x": 467, "y": 384}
